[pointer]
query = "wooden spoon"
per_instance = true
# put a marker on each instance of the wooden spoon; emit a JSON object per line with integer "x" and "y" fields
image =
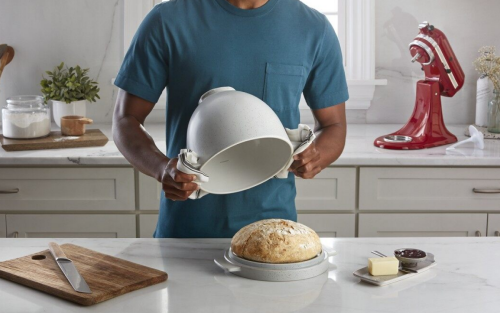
{"x": 6, "y": 58}
{"x": 3, "y": 47}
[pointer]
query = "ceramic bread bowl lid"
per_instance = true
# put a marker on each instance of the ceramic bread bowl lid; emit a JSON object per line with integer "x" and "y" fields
{"x": 235, "y": 141}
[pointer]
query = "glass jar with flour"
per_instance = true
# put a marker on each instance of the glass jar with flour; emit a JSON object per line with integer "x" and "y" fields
{"x": 25, "y": 117}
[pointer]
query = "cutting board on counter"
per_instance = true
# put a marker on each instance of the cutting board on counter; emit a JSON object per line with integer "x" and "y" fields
{"x": 55, "y": 140}
{"x": 108, "y": 277}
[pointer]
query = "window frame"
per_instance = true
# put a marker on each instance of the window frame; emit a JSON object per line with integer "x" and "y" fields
{"x": 356, "y": 35}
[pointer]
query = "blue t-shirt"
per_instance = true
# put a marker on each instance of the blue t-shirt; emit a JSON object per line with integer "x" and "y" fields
{"x": 274, "y": 52}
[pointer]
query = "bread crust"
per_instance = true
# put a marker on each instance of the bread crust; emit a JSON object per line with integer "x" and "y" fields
{"x": 276, "y": 241}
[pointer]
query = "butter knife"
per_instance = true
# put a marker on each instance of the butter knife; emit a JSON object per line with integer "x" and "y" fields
{"x": 68, "y": 268}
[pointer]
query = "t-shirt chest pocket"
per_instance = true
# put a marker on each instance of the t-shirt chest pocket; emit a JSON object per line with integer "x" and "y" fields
{"x": 283, "y": 85}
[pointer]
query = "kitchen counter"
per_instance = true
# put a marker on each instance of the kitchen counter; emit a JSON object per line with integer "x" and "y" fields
{"x": 466, "y": 279}
{"x": 359, "y": 151}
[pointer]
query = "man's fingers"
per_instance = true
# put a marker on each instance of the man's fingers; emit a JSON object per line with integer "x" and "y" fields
{"x": 181, "y": 177}
{"x": 308, "y": 174}
{"x": 174, "y": 197}
{"x": 308, "y": 166}
{"x": 300, "y": 162}
{"x": 185, "y": 186}
{"x": 311, "y": 150}
{"x": 179, "y": 194}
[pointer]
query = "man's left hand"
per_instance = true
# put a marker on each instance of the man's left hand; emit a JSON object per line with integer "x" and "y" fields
{"x": 307, "y": 164}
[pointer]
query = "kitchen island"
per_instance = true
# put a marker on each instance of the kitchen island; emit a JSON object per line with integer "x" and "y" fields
{"x": 367, "y": 192}
{"x": 466, "y": 279}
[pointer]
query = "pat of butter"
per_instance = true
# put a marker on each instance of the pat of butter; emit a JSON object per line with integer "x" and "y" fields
{"x": 383, "y": 266}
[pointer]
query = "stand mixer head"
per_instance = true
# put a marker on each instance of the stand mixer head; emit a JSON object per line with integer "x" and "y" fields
{"x": 443, "y": 77}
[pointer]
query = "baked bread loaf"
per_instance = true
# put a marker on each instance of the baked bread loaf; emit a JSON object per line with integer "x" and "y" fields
{"x": 276, "y": 241}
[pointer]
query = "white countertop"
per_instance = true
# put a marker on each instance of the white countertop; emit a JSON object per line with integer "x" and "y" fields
{"x": 359, "y": 151}
{"x": 466, "y": 279}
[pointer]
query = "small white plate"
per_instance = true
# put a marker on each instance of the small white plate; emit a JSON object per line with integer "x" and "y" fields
{"x": 364, "y": 275}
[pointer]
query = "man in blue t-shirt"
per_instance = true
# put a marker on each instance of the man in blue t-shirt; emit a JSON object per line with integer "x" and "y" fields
{"x": 272, "y": 49}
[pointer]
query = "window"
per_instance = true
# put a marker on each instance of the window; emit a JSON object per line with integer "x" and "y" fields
{"x": 353, "y": 20}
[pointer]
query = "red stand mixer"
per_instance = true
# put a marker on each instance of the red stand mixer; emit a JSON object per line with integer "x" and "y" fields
{"x": 443, "y": 77}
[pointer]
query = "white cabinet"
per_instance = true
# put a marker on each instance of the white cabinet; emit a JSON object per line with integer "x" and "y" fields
{"x": 3, "y": 226}
{"x": 71, "y": 225}
{"x": 67, "y": 189}
{"x": 330, "y": 225}
{"x": 147, "y": 225}
{"x": 429, "y": 189}
{"x": 494, "y": 225}
{"x": 422, "y": 225}
{"x": 332, "y": 189}
{"x": 149, "y": 193}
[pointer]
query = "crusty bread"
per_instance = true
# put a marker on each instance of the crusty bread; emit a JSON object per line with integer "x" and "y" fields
{"x": 276, "y": 241}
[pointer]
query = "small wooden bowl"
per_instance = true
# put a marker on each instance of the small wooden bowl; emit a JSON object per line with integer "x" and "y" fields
{"x": 74, "y": 125}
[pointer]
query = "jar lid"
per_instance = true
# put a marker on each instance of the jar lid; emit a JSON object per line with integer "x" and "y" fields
{"x": 23, "y": 103}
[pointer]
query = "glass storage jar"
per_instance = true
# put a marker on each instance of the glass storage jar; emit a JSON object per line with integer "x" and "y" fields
{"x": 25, "y": 117}
{"x": 494, "y": 113}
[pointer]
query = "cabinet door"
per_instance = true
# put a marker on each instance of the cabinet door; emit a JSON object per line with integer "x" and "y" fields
{"x": 66, "y": 189}
{"x": 494, "y": 225}
{"x": 147, "y": 225}
{"x": 71, "y": 225}
{"x": 3, "y": 227}
{"x": 422, "y": 225}
{"x": 429, "y": 189}
{"x": 149, "y": 193}
{"x": 332, "y": 189}
{"x": 330, "y": 225}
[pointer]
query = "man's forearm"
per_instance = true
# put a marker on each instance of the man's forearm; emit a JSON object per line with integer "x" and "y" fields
{"x": 131, "y": 137}
{"x": 138, "y": 147}
{"x": 330, "y": 142}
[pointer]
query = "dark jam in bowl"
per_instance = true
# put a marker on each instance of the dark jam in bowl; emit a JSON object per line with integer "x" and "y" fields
{"x": 410, "y": 253}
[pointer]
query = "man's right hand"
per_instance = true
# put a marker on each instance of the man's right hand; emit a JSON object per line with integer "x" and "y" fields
{"x": 175, "y": 184}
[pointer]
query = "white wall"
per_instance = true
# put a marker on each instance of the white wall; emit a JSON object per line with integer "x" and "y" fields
{"x": 89, "y": 33}
{"x": 468, "y": 26}
{"x": 44, "y": 33}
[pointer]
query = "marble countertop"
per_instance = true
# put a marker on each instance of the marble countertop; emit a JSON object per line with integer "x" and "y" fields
{"x": 466, "y": 279}
{"x": 359, "y": 151}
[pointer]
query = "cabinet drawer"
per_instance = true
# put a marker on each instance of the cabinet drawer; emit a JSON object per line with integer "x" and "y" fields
{"x": 332, "y": 189}
{"x": 422, "y": 225}
{"x": 147, "y": 225}
{"x": 71, "y": 225}
{"x": 437, "y": 189}
{"x": 149, "y": 193}
{"x": 3, "y": 228}
{"x": 494, "y": 225}
{"x": 63, "y": 189}
{"x": 326, "y": 225}
{"x": 330, "y": 225}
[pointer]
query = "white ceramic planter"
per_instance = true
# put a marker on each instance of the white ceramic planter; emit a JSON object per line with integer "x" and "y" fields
{"x": 61, "y": 108}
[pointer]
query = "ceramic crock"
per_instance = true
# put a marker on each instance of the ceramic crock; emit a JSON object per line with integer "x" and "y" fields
{"x": 235, "y": 141}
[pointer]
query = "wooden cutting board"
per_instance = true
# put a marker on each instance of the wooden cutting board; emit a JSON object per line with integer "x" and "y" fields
{"x": 108, "y": 277}
{"x": 55, "y": 140}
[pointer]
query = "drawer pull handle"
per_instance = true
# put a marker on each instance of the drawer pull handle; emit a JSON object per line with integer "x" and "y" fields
{"x": 6, "y": 191}
{"x": 15, "y": 234}
{"x": 478, "y": 233}
{"x": 475, "y": 190}
{"x": 497, "y": 233}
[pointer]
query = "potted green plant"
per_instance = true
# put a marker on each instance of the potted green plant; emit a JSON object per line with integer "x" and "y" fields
{"x": 69, "y": 88}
